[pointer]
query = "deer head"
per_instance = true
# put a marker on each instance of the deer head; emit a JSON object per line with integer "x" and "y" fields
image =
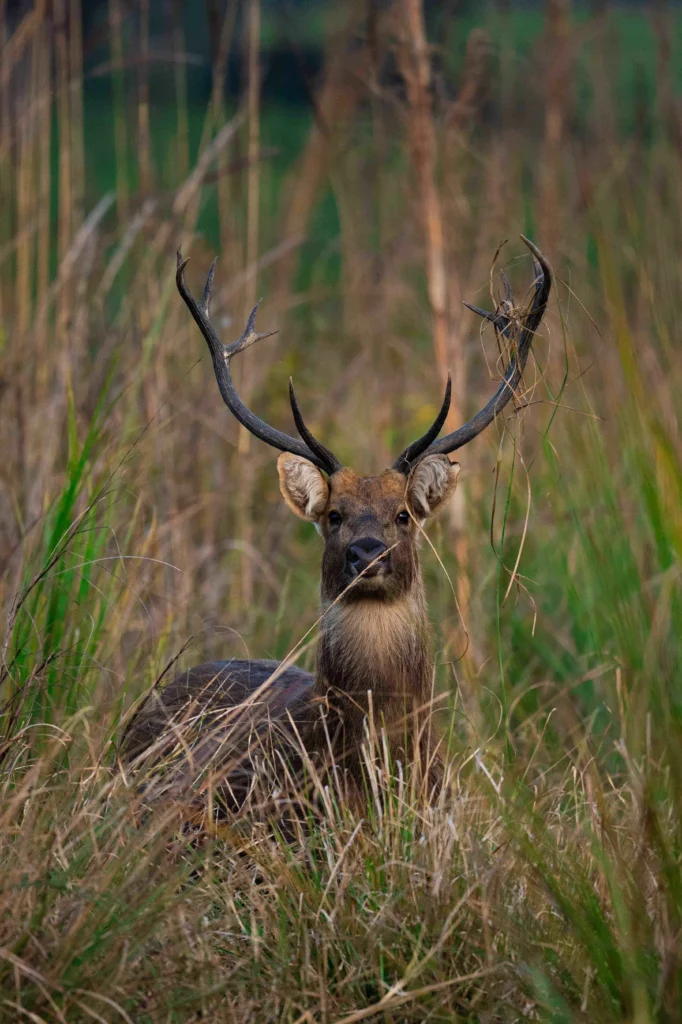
{"x": 370, "y": 525}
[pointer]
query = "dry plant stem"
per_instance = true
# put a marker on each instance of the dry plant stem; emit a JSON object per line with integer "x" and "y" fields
{"x": 41, "y": 451}
{"x": 244, "y": 523}
{"x": 669, "y": 107}
{"x": 224, "y": 34}
{"x": 22, "y": 183}
{"x": 253, "y": 181}
{"x": 462, "y": 115}
{"x": 221, "y": 53}
{"x": 65, "y": 296}
{"x": 143, "y": 139}
{"x": 120, "y": 129}
{"x": 5, "y": 108}
{"x": 380, "y": 299}
{"x": 180, "y": 71}
{"x": 558, "y": 57}
{"x": 415, "y": 67}
{"x": 188, "y": 194}
{"x": 76, "y": 113}
{"x": 24, "y": 187}
{"x": 44, "y": 99}
{"x": 345, "y": 71}
{"x": 63, "y": 112}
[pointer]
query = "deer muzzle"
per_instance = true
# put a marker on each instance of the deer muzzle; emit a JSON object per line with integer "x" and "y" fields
{"x": 365, "y": 556}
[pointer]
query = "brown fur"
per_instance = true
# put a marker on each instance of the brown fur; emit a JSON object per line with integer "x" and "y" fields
{"x": 374, "y": 657}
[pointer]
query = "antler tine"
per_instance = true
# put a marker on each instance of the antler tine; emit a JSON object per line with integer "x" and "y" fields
{"x": 413, "y": 451}
{"x": 248, "y": 336}
{"x": 221, "y": 356}
{"x": 315, "y": 446}
{"x": 502, "y": 322}
{"x": 208, "y": 288}
{"x": 527, "y": 329}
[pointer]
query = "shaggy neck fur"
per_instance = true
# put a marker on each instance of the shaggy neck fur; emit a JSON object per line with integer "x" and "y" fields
{"x": 378, "y": 646}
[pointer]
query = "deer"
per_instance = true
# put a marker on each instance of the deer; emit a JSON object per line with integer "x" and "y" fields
{"x": 375, "y": 649}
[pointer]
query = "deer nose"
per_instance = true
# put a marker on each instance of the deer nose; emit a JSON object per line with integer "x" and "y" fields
{"x": 362, "y": 553}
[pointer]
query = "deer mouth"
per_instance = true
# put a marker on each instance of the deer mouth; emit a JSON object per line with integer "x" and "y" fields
{"x": 372, "y": 578}
{"x": 372, "y": 572}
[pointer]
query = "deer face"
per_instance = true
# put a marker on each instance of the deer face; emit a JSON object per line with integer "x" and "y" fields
{"x": 370, "y": 525}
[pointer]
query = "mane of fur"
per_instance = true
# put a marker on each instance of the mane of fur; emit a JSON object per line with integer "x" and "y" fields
{"x": 382, "y": 647}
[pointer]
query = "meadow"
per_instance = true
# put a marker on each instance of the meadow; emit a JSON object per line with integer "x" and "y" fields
{"x": 140, "y": 530}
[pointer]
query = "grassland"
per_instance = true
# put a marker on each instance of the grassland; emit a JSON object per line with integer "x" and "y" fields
{"x": 136, "y": 531}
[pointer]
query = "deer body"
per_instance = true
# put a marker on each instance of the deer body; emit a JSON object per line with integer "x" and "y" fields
{"x": 374, "y": 655}
{"x": 374, "y": 659}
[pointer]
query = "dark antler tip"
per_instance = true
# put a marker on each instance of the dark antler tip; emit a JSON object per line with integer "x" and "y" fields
{"x": 481, "y": 312}
{"x": 180, "y": 272}
{"x": 208, "y": 287}
{"x": 325, "y": 458}
{"x": 539, "y": 256}
{"x": 298, "y": 418}
{"x": 413, "y": 452}
{"x": 250, "y": 323}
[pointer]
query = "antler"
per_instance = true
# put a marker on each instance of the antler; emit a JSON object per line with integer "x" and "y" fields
{"x": 526, "y": 330}
{"x": 310, "y": 448}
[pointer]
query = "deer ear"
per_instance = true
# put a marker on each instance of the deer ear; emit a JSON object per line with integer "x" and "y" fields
{"x": 431, "y": 484}
{"x": 303, "y": 487}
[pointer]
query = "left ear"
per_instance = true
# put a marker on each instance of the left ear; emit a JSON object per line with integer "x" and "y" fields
{"x": 431, "y": 484}
{"x": 303, "y": 487}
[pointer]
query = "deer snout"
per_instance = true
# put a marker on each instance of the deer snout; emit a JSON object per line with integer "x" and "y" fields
{"x": 362, "y": 553}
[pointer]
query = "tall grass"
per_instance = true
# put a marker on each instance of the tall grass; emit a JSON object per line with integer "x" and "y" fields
{"x": 545, "y": 883}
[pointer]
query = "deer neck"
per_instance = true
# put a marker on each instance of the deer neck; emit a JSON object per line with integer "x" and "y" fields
{"x": 376, "y": 656}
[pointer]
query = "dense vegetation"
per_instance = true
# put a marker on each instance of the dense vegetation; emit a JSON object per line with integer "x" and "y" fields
{"x": 138, "y": 529}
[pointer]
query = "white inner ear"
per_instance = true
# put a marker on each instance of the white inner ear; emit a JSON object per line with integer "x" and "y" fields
{"x": 304, "y": 488}
{"x": 432, "y": 482}
{"x": 316, "y": 495}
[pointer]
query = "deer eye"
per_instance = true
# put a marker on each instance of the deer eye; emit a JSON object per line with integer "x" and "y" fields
{"x": 403, "y": 518}
{"x": 334, "y": 518}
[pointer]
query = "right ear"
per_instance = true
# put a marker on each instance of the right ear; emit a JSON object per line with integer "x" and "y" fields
{"x": 431, "y": 484}
{"x": 303, "y": 487}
